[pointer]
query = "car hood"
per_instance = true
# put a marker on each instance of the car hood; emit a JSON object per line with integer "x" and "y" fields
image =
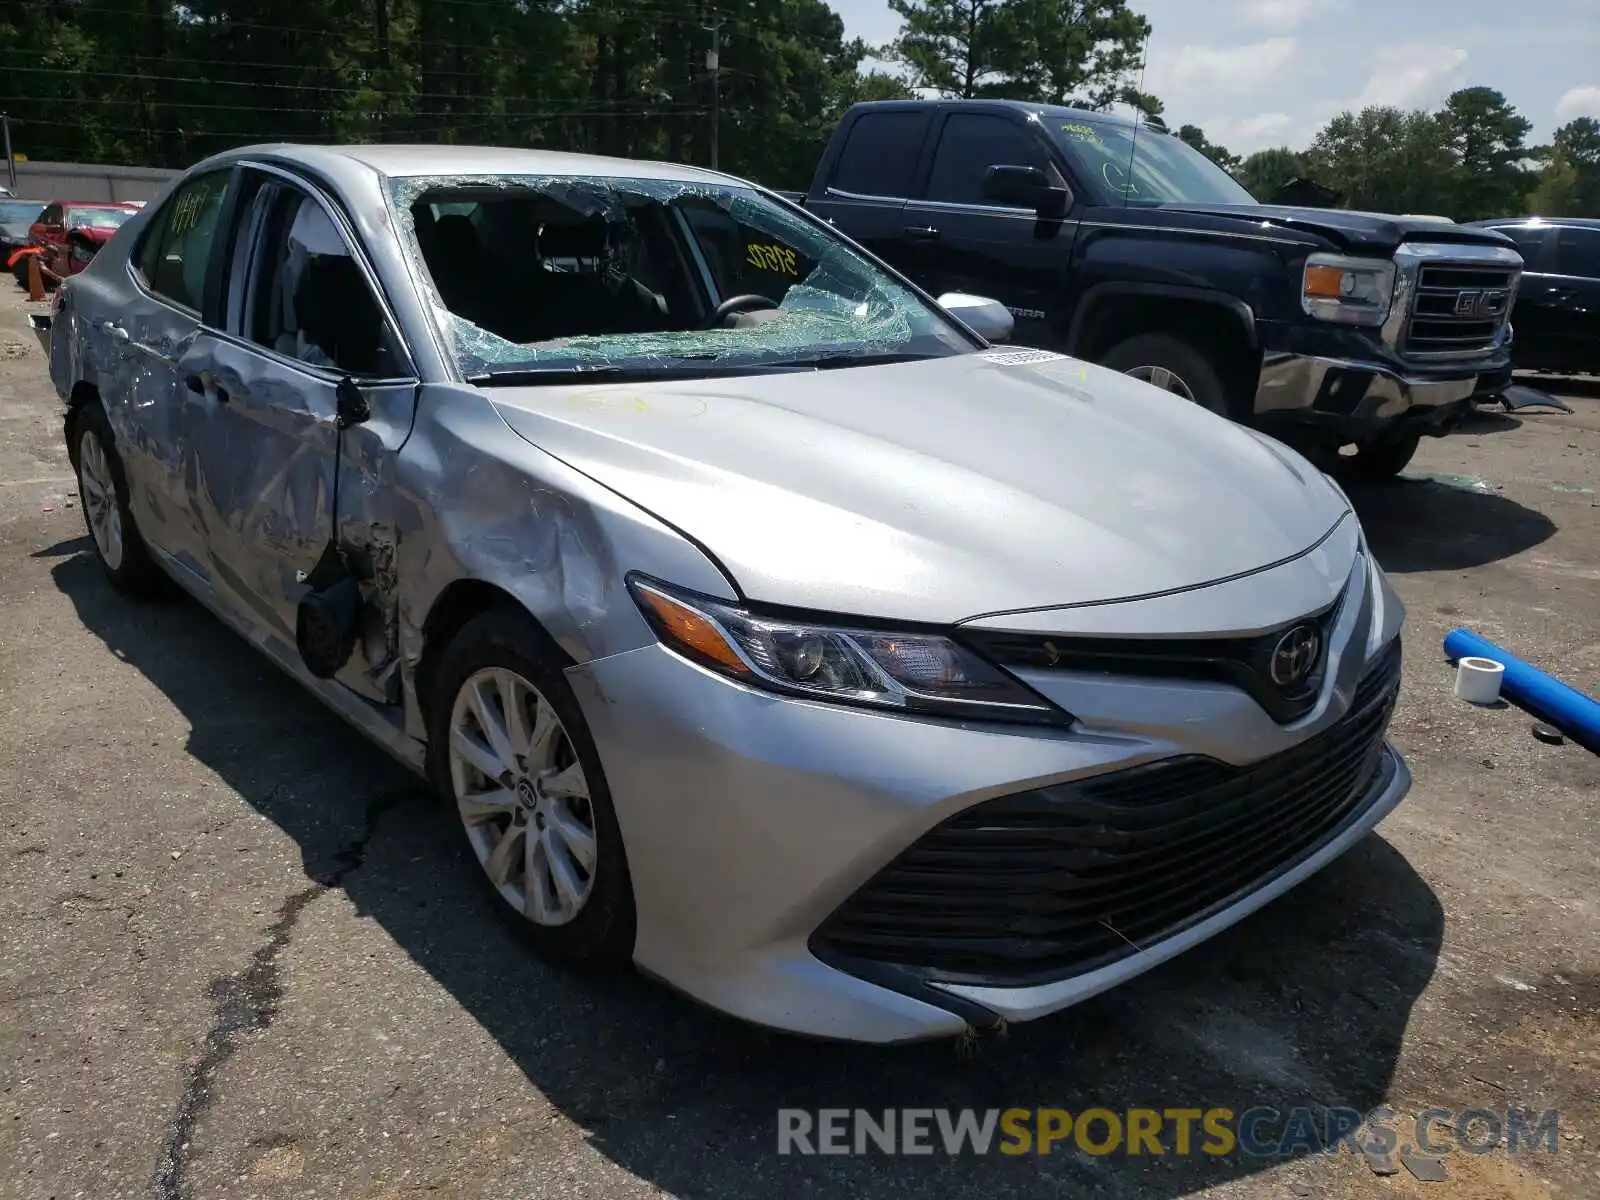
{"x": 942, "y": 489}
{"x": 1363, "y": 231}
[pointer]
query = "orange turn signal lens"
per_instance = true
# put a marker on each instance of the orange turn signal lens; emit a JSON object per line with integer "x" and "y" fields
{"x": 686, "y": 629}
{"x": 1325, "y": 282}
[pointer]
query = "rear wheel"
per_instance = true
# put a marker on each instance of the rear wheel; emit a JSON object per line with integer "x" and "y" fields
{"x": 103, "y": 491}
{"x": 1173, "y": 365}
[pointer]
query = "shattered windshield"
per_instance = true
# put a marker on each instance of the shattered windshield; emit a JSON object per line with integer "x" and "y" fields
{"x": 544, "y": 276}
{"x": 1164, "y": 169}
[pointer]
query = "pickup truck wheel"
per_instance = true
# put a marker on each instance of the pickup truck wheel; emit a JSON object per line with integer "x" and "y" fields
{"x": 1376, "y": 462}
{"x": 1172, "y": 365}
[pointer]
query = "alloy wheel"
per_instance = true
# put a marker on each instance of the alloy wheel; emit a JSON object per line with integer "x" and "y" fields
{"x": 99, "y": 495}
{"x": 1164, "y": 379}
{"x": 522, "y": 796}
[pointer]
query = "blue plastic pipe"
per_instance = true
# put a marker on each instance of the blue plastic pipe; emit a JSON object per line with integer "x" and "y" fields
{"x": 1530, "y": 689}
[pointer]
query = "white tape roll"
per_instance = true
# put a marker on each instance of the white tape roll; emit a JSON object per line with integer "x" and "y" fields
{"x": 1478, "y": 680}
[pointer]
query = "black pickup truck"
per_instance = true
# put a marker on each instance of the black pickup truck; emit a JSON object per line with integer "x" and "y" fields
{"x": 1114, "y": 241}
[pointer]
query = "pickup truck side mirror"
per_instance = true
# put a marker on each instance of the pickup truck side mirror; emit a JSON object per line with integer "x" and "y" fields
{"x": 989, "y": 319}
{"x": 1025, "y": 187}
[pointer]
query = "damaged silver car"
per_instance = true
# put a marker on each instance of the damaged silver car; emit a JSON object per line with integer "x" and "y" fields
{"x": 759, "y": 619}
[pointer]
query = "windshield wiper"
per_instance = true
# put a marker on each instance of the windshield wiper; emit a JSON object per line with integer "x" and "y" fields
{"x": 610, "y": 373}
{"x": 830, "y": 359}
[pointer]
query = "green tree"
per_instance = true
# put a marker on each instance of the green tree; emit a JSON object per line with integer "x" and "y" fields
{"x": 1265, "y": 171}
{"x": 1487, "y": 138}
{"x": 1196, "y": 137}
{"x": 1578, "y": 142}
{"x": 1560, "y": 189}
{"x": 1053, "y": 51}
{"x": 1387, "y": 160}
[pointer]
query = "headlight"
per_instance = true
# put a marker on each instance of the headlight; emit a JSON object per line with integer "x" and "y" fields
{"x": 1352, "y": 291}
{"x": 910, "y": 672}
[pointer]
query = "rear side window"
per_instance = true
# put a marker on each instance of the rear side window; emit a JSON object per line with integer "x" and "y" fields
{"x": 1577, "y": 253}
{"x": 177, "y": 246}
{"x": 880, "y": 153}
{"x": 971, "y": 143}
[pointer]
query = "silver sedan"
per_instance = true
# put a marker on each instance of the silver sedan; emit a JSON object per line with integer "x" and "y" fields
{"x": 761, "y": 621}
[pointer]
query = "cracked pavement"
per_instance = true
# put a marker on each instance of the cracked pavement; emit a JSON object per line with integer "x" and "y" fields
{"x": 244, "y": 959}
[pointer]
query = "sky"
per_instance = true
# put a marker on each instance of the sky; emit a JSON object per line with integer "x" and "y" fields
{"x": 1259, "y": 73}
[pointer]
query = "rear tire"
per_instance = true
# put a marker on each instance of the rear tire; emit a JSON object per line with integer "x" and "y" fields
{"x": 103, "y": 496}
{"x": 535, "y": 814}
{"x": 1376, "y": 463}
{"x": 1173, "y": 365}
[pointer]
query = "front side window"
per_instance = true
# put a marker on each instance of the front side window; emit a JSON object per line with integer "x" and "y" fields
{"x": 547, "y": 275}
{"x": 1143, "y": 167}
{"x": 177, "y": 244}
{"x": 310, "y": 300}
{"x": 969, "y": 145}
{"x": 1529, "y": 240}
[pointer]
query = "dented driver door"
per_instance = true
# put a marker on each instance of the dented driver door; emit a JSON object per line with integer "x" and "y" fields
{"x": 260, "y": 404}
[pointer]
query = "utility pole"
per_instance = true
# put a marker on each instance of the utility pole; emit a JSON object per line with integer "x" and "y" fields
{"x": 714, "y": 65}
{"x": 11, "y": 161}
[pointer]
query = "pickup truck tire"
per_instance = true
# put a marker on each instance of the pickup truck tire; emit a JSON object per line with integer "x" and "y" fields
{"x": 1173, "y": 365}
{"x": 1376, "y": 462}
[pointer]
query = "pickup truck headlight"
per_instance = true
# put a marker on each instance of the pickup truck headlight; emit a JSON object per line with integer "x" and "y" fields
{"x": 1351, "y": 291}
{"x": 911, "y": 672}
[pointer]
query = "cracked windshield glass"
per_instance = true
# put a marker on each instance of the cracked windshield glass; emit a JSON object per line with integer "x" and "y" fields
{"x": 1149, "y": 167}
{"x": 541, "y": 278}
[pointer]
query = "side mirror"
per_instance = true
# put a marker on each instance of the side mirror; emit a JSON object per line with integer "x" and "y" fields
{"x": 352, "y": 407}
{"x": 989, "y": 319}
{"x": 1025, "y": 187}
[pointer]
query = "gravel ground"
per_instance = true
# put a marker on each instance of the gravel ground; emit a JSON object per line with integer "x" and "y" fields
{"x": 243, "y": 960}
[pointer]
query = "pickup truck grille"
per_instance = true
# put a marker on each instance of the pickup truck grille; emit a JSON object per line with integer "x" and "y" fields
{"x": 1458, "y": 309}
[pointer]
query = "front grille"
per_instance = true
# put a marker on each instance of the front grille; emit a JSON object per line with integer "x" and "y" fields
{"x": 1458, "y": 309}
{"x": 1244, "y": 662}
{"x": 1062, "y": 880}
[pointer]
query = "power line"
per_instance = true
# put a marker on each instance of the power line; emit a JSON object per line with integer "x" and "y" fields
{"x": 224, "y": 25}
{"x": 296, "y": 87}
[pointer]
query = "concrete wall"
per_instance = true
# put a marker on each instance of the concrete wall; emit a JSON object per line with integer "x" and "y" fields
{"x": 86, "y": 181}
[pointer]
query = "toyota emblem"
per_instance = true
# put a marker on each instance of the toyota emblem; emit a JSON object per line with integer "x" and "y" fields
{"x": 1295, "y": 656}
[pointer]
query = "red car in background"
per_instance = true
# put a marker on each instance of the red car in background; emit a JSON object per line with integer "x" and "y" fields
{"x": 68, "y": 233}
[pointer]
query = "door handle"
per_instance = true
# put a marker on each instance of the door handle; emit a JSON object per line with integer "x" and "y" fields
{"x": 116, "y": 333}
{"x": 921, "y": 233}
{"x": 204, "y": 385}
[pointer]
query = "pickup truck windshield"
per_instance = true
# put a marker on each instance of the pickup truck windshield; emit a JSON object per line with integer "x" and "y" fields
{"x": 541, "y": 278}
{"x": 1165, "y": 169}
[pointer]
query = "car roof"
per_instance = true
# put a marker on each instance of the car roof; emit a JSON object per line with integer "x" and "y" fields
{"x": 93, "y": 203}
{"x": 411, "y": 161}
{"x": 1579, "y": 222}
{"x": 1088, "y": 116}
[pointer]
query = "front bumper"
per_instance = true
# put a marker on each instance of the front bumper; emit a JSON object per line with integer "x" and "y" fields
{"x": 1359, "y": 400}
{"x": 750, "y": 819}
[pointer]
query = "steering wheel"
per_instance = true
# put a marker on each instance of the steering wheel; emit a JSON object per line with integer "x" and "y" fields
{"x": 736, "y": 304}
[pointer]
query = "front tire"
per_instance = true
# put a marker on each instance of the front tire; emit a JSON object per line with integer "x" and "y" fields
{"x": 103, "y": 496}
{"x": 1376, "y": 463}
{"x": 512, "y": 758}
{"x": 1173, "y": 365}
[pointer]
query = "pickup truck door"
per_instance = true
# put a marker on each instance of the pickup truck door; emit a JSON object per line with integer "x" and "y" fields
{"x": 862, "y": 188}
{"x": 302, "y": 313}
{"x": 962, "y": 241}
